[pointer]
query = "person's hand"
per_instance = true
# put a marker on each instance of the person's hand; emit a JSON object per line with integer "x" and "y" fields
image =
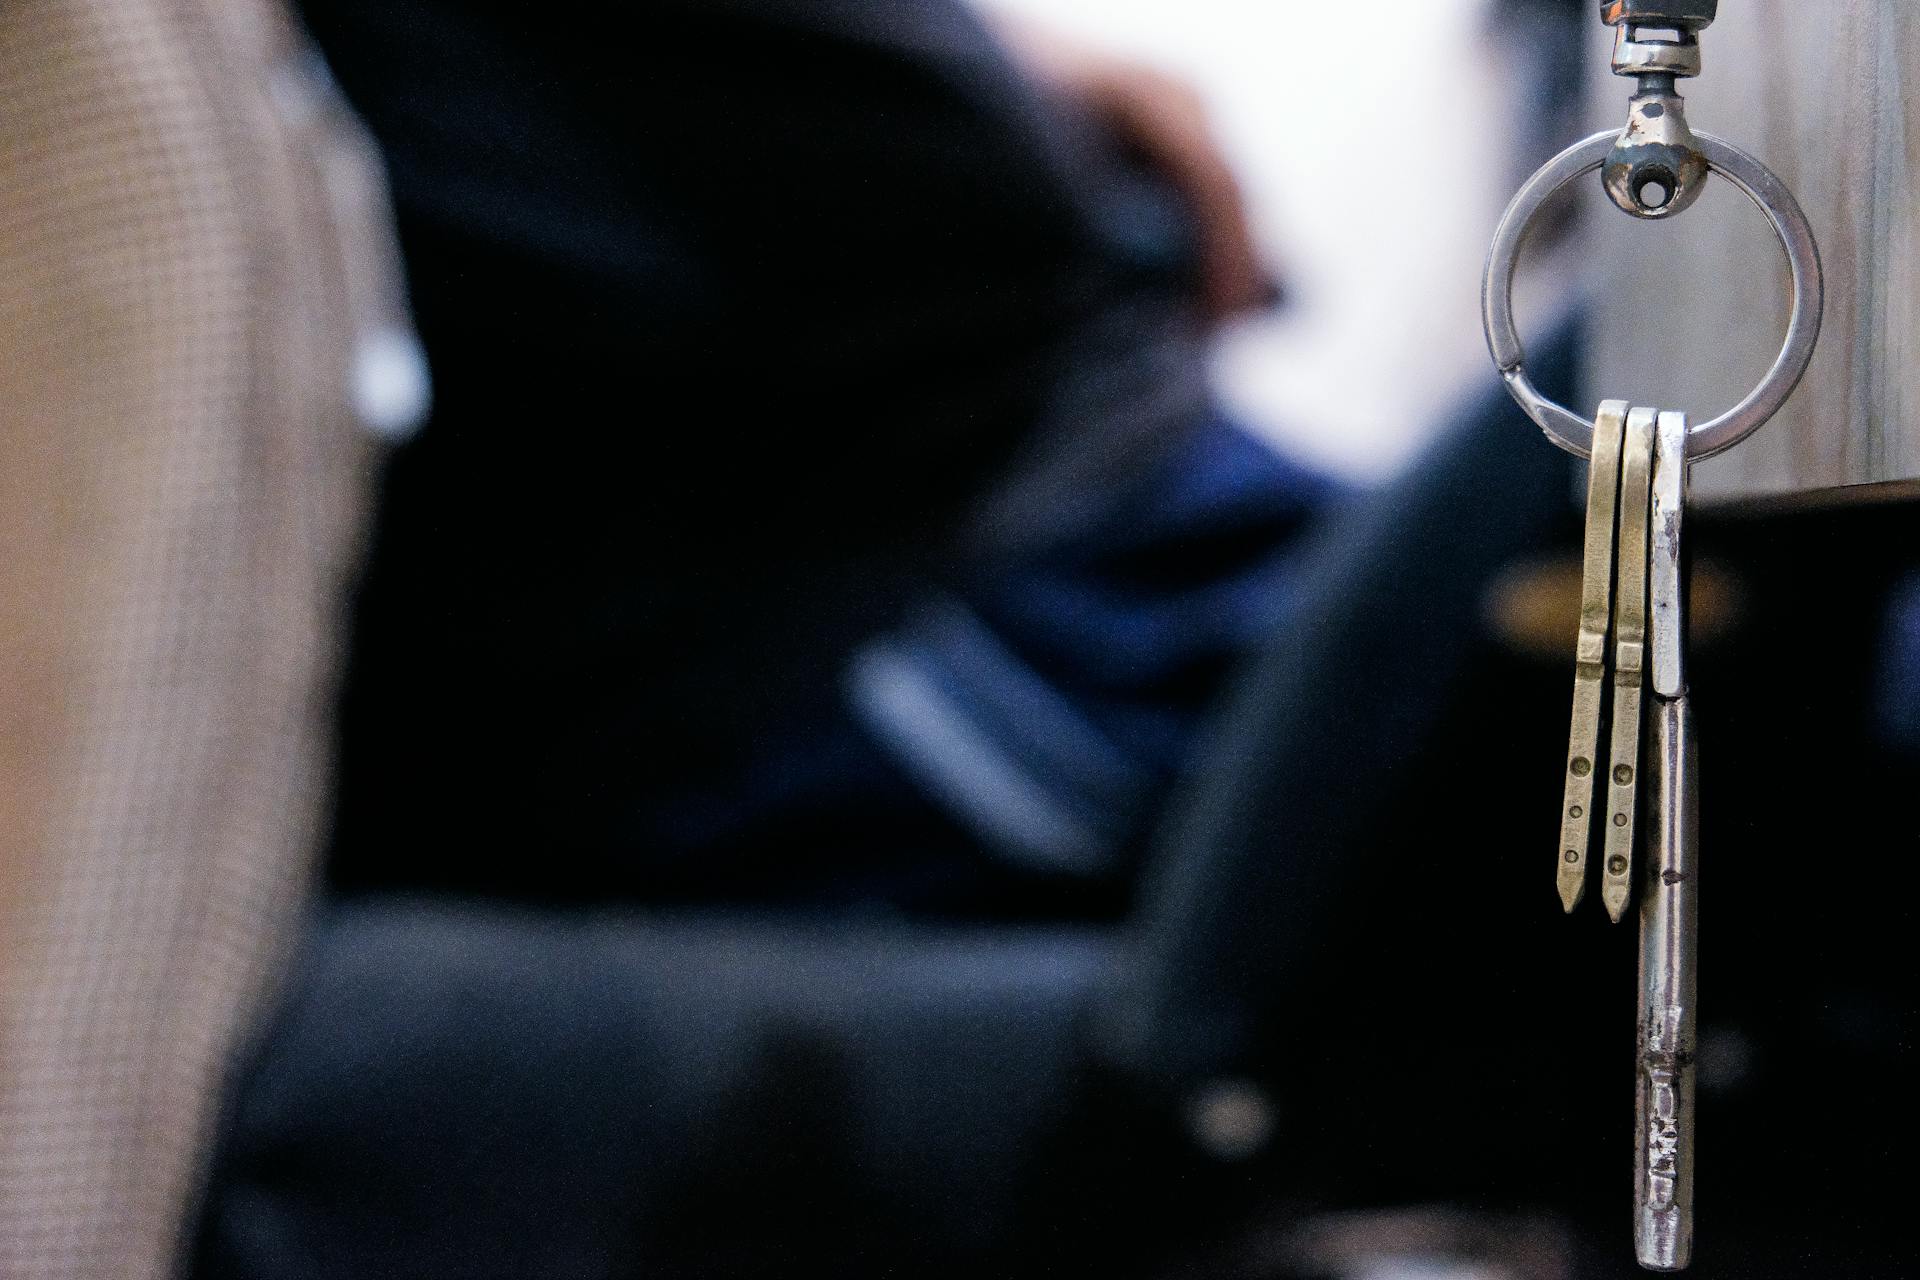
{"x": 1162, "y": 117}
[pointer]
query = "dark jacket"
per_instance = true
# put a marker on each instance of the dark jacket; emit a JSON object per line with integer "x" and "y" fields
{"x": 750, "y": 320}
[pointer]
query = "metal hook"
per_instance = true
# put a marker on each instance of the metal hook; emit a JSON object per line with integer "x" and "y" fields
{"x": 1656, "y": 169}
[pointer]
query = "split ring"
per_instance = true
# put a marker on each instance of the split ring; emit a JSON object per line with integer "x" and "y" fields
{"x": 1571, "y": 431}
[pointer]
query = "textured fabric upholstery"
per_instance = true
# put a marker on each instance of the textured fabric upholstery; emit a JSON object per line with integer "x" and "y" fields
{"x": 192, "y": 250}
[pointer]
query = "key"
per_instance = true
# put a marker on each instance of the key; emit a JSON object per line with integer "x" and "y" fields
{"x": 1664, "y": 1089}
{"x": 1666, "y": 588}
{"x": 1590, "y": 652}
{"x": 1629, "y": 661}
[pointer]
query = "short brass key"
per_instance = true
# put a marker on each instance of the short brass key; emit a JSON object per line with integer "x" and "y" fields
{"x": 1590, "y": 653}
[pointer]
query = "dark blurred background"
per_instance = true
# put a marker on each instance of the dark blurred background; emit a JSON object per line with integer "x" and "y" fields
{"x": 881, "y": 739}
{"x": 966, "y": 676}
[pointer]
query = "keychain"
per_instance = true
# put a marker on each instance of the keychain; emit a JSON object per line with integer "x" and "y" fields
{"x": 1631, "y": 648}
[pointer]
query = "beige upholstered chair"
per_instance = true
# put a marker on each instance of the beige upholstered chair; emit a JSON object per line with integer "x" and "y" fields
{"x": 200, "y": 320}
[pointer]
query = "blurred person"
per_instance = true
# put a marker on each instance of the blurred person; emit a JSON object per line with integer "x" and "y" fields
{"x": 823, "y": 499}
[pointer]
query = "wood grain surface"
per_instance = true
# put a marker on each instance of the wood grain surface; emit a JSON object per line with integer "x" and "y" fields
{"x": 1690, "y": 313}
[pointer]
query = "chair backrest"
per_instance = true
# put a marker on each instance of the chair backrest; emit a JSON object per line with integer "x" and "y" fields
{"x": 197, "y": 286}
{"x": 1334, "y": 721}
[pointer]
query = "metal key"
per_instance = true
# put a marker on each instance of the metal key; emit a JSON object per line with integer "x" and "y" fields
{"x": 1629, "y": 661}
{"x": 1590, "y": 652}
{"x": 1664, "y": 1089}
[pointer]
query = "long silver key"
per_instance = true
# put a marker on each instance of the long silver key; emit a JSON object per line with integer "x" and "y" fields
{"x": 1664, "y": 1088}
{"x": 1666, "y": 584}
{"x": 1629, "y": 661}
{"x": 1590, "y": 652}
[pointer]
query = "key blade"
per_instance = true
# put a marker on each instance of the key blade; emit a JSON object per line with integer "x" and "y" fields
{"x": 1669, "y": 914}
{"x": 1590, "y": 653}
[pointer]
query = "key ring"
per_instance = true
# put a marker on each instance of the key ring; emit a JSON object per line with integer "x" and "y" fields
{"x": 1571, "y": 431}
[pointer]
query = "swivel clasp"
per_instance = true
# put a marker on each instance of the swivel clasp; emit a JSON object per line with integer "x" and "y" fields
{"x": 1656, "y": 169}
